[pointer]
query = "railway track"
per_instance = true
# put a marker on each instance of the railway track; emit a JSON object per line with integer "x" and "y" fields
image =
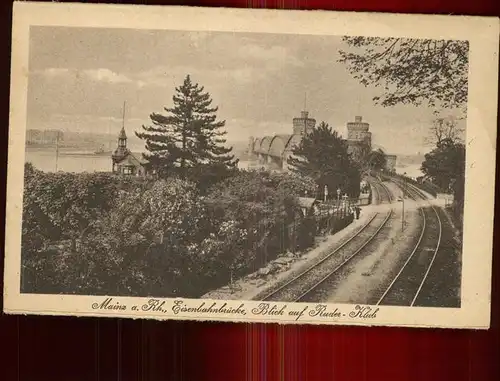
{"x": 304, "y": 284}
{"x": 406, "y": 285}
{"x": 385, "y": 191}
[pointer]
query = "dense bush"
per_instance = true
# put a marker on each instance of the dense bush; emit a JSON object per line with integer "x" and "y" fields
{"x": 60, "y": 206}
{"x": 103, "y": 234}
{"x": 60, "y": 210}
{"x": 265, "y": 206}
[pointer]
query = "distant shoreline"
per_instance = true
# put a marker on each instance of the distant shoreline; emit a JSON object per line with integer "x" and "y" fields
{"x": 70, "y": 149}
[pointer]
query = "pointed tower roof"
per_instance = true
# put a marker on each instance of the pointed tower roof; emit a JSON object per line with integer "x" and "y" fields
{"x": 122, "y": 134}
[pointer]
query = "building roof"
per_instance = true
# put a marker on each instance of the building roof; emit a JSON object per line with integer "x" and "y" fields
{"x": 139, "y": 157}
{"x": 306, "y": 202}
{"x": 132, "y": 158}
{"x": 119, "y": 154}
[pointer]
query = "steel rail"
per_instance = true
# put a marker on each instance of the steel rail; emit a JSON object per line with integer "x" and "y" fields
{"x": 314, "y": 266}
{"x": 396, "y": 278}
{"x": 435, "y": 250}
{"x": 316, "y": 285}
{"x": 386, "y": 190}
{"x": 416, "y": 191}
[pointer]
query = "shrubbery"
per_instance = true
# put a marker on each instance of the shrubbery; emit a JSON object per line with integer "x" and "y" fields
{"x": 103, "y": 234}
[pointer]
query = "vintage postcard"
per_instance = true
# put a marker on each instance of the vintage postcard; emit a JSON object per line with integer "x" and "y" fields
{"x": 301, "y": 167}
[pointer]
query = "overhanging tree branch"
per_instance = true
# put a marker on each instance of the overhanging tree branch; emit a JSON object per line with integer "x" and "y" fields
{"x": 411, "y": 71}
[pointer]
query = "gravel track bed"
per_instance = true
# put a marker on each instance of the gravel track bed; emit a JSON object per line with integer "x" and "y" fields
{"x": 406, "y": 286}
{"x": 297, "y": 287}
{"x": 407, "y": 282}
{"x": 443, "y": 284}
{"x": 301, "y": 288}
{"x": 321, "y": 291}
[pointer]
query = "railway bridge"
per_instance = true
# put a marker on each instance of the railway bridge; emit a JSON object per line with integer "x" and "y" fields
{"x": 273, "y": 152}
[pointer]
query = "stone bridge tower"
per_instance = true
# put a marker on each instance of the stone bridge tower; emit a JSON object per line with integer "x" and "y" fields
{"x": 304, "y": 124}
{"x": 250, "y": 148}
{"x": 359, "y": 138}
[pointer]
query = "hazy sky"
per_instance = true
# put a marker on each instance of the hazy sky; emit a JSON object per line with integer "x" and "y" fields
{"x": 79, "y": 79}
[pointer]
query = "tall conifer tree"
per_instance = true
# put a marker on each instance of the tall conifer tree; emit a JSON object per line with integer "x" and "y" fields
{"x": 189, "y": 137}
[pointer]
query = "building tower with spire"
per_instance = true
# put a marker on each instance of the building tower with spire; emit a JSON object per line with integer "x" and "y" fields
{"x": 121, "y": 150}
{"x": 123, "y": 160}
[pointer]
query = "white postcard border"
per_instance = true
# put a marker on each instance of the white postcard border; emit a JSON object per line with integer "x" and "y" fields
{"x": 483, "y": 37}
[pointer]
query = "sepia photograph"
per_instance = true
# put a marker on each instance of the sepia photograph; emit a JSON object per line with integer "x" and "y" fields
{"x": 248, "y": 173}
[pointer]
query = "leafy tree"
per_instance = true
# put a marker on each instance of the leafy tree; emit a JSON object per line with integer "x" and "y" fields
{"x": 458, "y": 201}
{"x": 156, "y": 235}
{"x": 445, "y": 165}
{"x": 445, "y": 129}
{"x": 59, "y": 210}
{"x": 65, "y": 206}
{"x": 411, "y": 71}
{"x": 264, "y": 206}
{"x": 373, "y": 160}
{"x": 323, "y": 156}
{"x": 36, "y": 224}
{"x": 187, "y": 137}
{"x": 228, "y": 257}
{"x": 378, "y": 159}
{"x": 159, "y": 238}
{"x": 292, "y": 184}
{"x": 206, "y": 175}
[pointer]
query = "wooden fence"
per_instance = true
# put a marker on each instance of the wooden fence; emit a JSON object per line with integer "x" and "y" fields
{"x": 335, "y": 216}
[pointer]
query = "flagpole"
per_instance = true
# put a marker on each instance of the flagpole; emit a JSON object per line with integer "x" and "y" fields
{"x": 57, "y": 149}
{"x": 123, "y": 117}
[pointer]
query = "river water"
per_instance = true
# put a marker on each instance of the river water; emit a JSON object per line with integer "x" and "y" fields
{"x": 412, "y": 170}
{"x": 46, "y": 160}
{"x": 73, "y": 161}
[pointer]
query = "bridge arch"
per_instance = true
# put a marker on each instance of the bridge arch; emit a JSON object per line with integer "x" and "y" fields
{"x": 256, "y": 145}
{"x": 292, "y": 142}
{"x": 266, "y": 144}
{"x": 278, "y": 145}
